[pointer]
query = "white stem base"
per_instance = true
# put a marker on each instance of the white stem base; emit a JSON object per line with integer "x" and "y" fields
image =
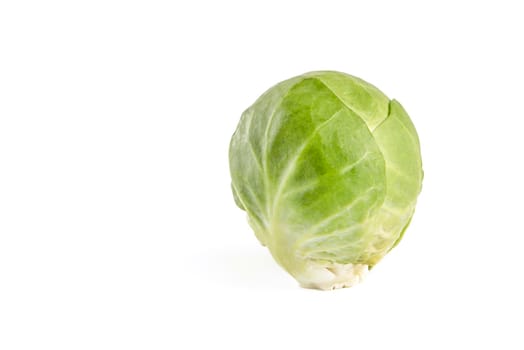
{"x": 332, "y": 276}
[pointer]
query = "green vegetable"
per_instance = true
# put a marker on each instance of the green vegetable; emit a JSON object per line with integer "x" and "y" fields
{"x": 328, "y": 170}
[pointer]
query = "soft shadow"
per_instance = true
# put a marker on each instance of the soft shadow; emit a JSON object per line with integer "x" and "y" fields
{"x": 240, "y": 268}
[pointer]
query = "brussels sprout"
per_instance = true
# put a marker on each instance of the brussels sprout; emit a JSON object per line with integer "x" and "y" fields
{"x": 328, "y": 170}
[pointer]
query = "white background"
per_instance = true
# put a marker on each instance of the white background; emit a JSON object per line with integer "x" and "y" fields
{"x": 117, "y": 226}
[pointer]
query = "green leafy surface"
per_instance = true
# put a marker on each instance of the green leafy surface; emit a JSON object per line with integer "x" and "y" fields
{"x": 328, "y": 170}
